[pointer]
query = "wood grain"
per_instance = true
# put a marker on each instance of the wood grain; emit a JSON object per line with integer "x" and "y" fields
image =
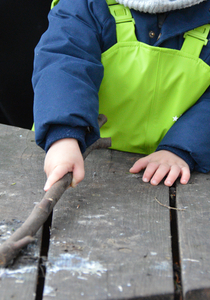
{"x": 21, "y": 185}
{"x": 194, "y": 236}
{"x": 110, "y": 239}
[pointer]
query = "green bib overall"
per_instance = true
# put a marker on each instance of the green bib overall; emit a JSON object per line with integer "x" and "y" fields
{"x": 145, "y": 89}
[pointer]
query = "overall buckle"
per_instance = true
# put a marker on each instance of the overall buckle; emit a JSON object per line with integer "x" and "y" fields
{"x": 121, "y": 13}
{"x": 199, "y": 33}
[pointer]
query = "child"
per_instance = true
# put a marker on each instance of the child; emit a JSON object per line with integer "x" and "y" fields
{"x": 149, "y": 63}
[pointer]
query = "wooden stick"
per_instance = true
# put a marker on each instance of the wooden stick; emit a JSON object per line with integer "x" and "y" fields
{"x": 24, "y": 235}
{"x": 169, "y": 207}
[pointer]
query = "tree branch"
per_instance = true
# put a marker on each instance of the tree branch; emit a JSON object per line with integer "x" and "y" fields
{"x": 24, "y": 235}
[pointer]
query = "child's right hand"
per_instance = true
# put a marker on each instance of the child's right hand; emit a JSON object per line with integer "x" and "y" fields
{"x": 62, "y": 157}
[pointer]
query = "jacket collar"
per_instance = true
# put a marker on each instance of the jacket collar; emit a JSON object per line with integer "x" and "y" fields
{"x": 184, "y": 20}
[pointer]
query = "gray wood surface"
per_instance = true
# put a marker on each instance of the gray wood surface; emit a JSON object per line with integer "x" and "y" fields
{"x": 194, "y": 236}
{"x": 110, "y": 239}
{"x": 21, "y": 184}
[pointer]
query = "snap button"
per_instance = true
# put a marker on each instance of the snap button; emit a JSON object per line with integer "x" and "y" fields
{"x": 151, "y": 34}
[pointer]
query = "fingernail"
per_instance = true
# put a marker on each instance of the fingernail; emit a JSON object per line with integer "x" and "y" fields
{"x": 73, "y": 183}
{"x": 184, "y": 181}
{"x": 154, "y": 182}
{"x": 145, "y": 179}
{"x": 46, "y": 187}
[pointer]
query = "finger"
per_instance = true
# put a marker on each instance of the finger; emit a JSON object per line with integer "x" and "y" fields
{"x": 185, "y": 175}
{"x": 149, "y": 172}
{"x": 54, "y": 176}
{"x": 159, "y": 173}
{"x": 139, "y": 165}
{"x": 173, "y": 175}
{"x": 78, "y": 174}
{"x": 50, "y": 181}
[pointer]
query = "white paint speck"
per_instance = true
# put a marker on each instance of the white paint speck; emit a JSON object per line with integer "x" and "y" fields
{"x": 163, "y": 266}
{"x": 19, "y": 281}
{"x": 189, "y": 259}
{"x": 94, "y": 216}
{"x": 49, "y": 291}
{"x": 82, "y": 278}
{"x": 18, "y": 273}
{"x": 94, "y": 222}
{"x": 5, "y": 234}
{"x": 3, "y": 228}
{"x": 3, "y": 193}
{"x": 134, "y": 176}
{"x": 76, "y": 265}
{"x": 120, "y": 288}
{"x": 153, "y": 253}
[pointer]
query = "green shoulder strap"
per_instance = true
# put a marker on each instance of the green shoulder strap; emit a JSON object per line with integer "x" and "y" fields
{"x": 54, "y": 3}
{"x": 125, "y": 24}
{"x": 195, "y": 40}
{"x": 110, "y": 2}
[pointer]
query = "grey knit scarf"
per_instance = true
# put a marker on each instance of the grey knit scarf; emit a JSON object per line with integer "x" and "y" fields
{"x": 158, "y": 6}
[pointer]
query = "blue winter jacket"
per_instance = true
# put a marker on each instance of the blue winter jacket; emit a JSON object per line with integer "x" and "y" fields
{"x": 68, "y": 73}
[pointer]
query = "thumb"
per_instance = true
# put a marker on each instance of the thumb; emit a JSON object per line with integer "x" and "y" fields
{"x": 55, "y": 175}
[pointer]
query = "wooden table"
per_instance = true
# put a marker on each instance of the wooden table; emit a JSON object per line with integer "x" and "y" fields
{"x": 111, "y": 237}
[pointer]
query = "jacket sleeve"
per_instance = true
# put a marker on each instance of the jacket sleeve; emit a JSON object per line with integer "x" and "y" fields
{"x": 67, "y": 74}
{"x": 189, "y": 137}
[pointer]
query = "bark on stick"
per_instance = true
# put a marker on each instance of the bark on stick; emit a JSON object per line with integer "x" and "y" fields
{"x": 24, "y": 235}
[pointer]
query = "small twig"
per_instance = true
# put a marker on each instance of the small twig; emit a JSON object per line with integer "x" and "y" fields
{"x": 24, "y": 235}
{"x": 169, "y": 207}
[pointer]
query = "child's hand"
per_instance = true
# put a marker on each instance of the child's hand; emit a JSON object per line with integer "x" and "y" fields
{"x": 162, "y": 163}
{"x": 62, "y": 157}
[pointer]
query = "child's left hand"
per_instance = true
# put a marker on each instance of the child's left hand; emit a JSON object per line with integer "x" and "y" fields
{"x": 160, "y": 164}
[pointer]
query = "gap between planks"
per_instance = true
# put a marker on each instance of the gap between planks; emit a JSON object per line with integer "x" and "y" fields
{"x": 173, "y": 210}
{"x": 43, "y": 257}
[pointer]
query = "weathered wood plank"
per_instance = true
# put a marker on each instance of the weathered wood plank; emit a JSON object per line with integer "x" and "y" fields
{"x": 194, "y": 236}
{"x": 110, "y": 239}
{"x": 21, "y": 184}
